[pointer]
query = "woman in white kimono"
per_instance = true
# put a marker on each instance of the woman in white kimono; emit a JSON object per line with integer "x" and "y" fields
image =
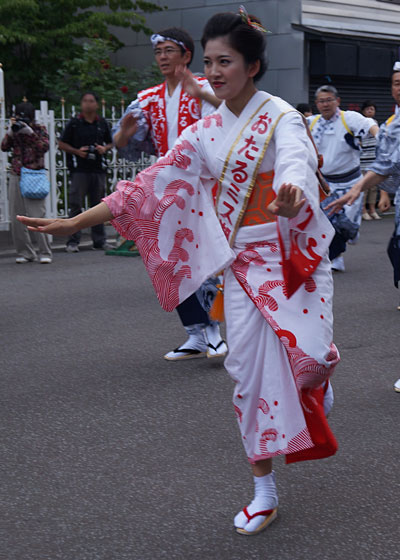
{"x": 269, "y": 235}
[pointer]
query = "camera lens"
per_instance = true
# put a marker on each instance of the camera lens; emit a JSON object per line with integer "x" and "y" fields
{"x": 92, "y": 152}
{"x": 17, "y": 126}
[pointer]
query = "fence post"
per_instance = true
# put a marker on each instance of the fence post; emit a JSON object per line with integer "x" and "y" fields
{"x": 44, "y": 117}
{"x": 4, "y": 214}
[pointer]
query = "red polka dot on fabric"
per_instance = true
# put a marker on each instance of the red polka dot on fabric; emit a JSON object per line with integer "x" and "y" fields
{"x": 321, "y": 316}
{"x": 240, "y": 396}
{"x": 276, "y": 403}
{"x": 323, "y": 300}
{"x": 323, "y": 236}
{"x": 193, "y": 211}
{"x": 197, "y": 246}
{"x": 305, "y": 311}
{"x": 212, "y": 139}
{"x": 179, "y": 222}
{"x": 283, "y": 436}
{"x": 200, "y": 213}
{"x": 272, "y": 417}
{"x": 268, "y": 270}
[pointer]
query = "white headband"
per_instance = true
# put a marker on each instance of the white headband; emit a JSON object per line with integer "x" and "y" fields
{"x": 156, "y": 38}
{"x": 396, "y": 67}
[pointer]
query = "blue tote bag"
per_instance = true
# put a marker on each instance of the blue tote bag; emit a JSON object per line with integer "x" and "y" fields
{"x": 34, "y": 183}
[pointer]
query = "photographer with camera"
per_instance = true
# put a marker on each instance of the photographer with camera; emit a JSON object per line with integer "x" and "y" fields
{"x": 28, "y": 141}
{"x": 85, "y": 139}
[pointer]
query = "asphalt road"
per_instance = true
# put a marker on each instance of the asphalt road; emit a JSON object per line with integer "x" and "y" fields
{"x": 108, "y": 452}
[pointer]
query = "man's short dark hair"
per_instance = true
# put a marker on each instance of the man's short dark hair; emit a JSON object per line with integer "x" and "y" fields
{"x": 180, "y": 35}
{"x": 327, "y": 89}
{"x": 89, "y": 93}
{"x": 303, "y": 108}
{"x": 368, "y": 103}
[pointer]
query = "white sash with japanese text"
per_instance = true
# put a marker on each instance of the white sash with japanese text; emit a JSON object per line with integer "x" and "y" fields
{"x": 242, "y": 159}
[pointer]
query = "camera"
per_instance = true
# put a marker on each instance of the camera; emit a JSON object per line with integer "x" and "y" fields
{"x": 20, "y": 123}
{"x": 92, "y": 153}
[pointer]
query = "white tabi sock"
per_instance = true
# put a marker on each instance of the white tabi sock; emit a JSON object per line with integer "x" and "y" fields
{"x": 213, "y": 334}
{"x": 196, "y": 340}
{"x": 265, "y": 498}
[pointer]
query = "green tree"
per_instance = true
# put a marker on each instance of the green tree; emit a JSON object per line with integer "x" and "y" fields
{"x": 93, "y": 70}
{"x": 37, "y": 36}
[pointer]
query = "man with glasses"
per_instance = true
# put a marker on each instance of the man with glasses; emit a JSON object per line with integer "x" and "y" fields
{"x": 336, "y": 134}
{"x": 151, "y": 124}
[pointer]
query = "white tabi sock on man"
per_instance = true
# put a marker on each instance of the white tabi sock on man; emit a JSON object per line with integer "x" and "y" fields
{"x": 265, "y": 498}
{"x": 196, "y": 340}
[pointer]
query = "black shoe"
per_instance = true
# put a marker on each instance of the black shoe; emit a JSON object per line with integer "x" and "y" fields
{"x": 103, "y": 247}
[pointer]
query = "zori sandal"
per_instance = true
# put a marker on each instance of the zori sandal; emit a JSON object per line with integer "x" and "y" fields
{"x": 184, "y": 354}
{"x": 270, "y": 516}
{"x": 217, "y": 351}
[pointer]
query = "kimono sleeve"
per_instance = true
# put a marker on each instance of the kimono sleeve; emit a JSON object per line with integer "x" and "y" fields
{"x": 358, "y": 124}
{"x": 206, "y": 107}
{"x": 141, "y": 140}
{"x": 305, "y": 239}
{"x": 387, "y": 162}
{"x": 169, "y": 214}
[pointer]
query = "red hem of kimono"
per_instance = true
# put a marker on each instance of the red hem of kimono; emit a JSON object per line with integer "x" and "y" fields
{"x": 325, "y": 444}
{"x": 321, "y": 441}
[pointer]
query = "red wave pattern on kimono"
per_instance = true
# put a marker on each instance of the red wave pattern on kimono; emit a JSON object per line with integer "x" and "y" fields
{"x": 142, "y": 219}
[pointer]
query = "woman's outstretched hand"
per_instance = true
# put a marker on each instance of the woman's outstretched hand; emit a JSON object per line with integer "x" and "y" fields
{"x": 52, "y": 226}
{"x": 288, "y": 201}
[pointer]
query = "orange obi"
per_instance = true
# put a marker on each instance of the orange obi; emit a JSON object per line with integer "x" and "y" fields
{"x": 262, "y": 195}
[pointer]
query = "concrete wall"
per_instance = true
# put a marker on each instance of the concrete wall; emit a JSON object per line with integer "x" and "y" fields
{"x": 286, "y": 76}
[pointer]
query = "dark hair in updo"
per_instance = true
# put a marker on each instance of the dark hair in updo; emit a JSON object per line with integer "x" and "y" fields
{"x": 249, "y": 42}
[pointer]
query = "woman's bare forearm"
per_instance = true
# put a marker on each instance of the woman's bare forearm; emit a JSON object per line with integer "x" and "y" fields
{"x": 92, "y": 217}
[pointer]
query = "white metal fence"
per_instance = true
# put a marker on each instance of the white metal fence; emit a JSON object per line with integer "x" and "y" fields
{"x": 4, "y": 221}
{"x": 55, "y": 160}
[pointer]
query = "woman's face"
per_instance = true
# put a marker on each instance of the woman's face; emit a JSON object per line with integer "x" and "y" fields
{"x": 226, "y": 69}
{"x": 369, "y": 111}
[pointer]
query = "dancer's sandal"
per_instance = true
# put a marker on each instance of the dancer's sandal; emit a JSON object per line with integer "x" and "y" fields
{"x": 269, "y": 514}
{"x": 184, "y": 354}
{"x": 216, "y": 351}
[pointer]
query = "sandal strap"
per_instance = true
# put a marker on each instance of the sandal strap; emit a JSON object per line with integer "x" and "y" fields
{"x": 222, "y": 341}
{"x": 264, "y": 512}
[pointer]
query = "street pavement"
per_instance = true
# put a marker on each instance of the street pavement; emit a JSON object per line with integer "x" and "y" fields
{"x": 108, "y": 452}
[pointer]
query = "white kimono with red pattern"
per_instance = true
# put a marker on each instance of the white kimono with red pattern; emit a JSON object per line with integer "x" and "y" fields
{"x": 280, "y": 348}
